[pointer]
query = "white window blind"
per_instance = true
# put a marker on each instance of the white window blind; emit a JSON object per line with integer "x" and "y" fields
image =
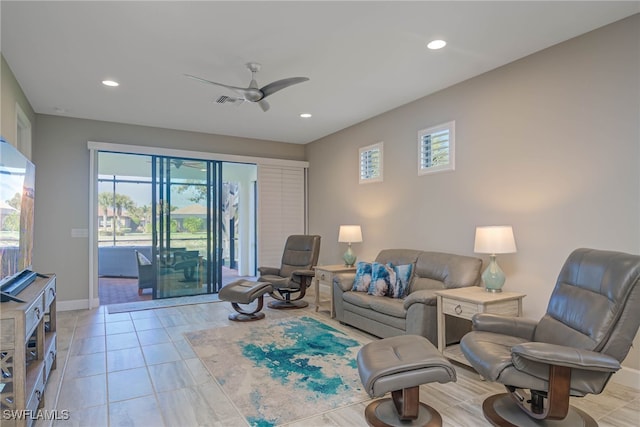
{"x": 281, "y": 210}
{"x": 371, "y": 163}
{"x": 436, "y": 148}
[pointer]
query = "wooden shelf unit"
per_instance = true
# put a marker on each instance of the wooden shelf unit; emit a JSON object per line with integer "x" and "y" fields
{"x": 28, "y": 351}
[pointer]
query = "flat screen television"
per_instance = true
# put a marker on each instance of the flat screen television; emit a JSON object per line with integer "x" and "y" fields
{"x": 17, "y": 196}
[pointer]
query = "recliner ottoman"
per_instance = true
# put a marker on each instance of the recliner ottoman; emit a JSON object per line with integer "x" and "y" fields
{"x": 245, "y": 292}
{"x": 399, "y": 365}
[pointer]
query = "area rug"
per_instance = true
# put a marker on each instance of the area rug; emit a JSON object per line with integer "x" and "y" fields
{"x": 161, "y": 303}
{"x": 280, "y": 370}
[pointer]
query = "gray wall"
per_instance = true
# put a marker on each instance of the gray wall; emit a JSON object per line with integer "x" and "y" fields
{"x": 10, "y": 95}
{"x": 62, "y": 184}
{"x": 548, "y": 144}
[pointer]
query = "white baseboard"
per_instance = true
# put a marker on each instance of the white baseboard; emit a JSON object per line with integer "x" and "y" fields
{"x": 628, "y": 377}
{"x": 76, "y": 304}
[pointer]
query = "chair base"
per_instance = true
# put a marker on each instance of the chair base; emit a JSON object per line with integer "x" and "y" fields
{"x": 246, "y": 317}
{"x": 502, "y": 411}
{"x": 383, "y": 413}
{"x": 287, "y": 305}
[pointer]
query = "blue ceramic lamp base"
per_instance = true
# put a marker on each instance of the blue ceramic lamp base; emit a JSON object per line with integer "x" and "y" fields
{"x": 349, "y": 257}
{"x": 493, "y": 276}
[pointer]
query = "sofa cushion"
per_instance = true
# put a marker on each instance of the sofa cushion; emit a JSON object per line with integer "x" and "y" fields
{"x": 383, "y": 305}
{"x": 442, "y": 270}
{"x": 363, "y": 277}
{"x": 382, "y": 276}
{"x": 389, "y": 306}
{"x": 359, "y": 299}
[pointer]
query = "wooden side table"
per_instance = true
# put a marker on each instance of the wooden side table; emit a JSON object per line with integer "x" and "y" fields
{"x": 464, "y": 303}
{"x": 324, "y": 275}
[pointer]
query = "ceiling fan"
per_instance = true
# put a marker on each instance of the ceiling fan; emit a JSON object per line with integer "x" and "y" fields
{"x": 178, "y": 163}
{"x": 253, "y": 93}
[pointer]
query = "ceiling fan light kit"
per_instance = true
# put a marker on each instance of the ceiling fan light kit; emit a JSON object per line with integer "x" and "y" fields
{"x": 253, "y": 93}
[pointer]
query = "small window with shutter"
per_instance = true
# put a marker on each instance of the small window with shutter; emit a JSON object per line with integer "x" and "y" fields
{"x": 371, "y": 163}
{"x": 436, "y": 149}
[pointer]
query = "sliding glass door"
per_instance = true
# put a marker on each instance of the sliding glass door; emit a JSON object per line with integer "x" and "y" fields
{"x": 192, "y": 219}
{"x": 187, "y": 229}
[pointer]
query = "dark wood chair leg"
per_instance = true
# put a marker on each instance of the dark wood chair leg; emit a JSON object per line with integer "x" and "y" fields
{"x": 553, "y": 406}
{"x": 407, "y": 402}
{"x": 558, "y": 395}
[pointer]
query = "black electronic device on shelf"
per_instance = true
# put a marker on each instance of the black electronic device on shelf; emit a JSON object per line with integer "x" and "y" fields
{"x": 13, "y": 285}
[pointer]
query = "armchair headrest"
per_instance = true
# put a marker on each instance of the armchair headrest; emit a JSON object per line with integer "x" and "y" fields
{"x": 595, "y": 302}
{"x": 300, "y": 252}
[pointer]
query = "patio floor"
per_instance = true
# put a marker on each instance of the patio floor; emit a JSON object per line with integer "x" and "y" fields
{"x": 116, "y": 290}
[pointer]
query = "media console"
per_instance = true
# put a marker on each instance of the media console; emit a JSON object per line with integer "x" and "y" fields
{"x": 27, "y": 351}
{"x": 16, "y": 284}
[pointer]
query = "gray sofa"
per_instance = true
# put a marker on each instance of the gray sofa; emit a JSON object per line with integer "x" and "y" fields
{"x": 383, "y": 316}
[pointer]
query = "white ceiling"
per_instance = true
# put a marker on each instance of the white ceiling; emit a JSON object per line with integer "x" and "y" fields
{"x": 363, "y": 58}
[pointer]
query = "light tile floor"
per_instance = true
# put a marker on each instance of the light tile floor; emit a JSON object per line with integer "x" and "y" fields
{"x": 136, "y": 369}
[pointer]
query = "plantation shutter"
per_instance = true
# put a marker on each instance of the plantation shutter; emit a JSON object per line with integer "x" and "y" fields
{"x": 435, "y": 149}
{"x": 371, "y": 163}
{"x": 281, "y": 210}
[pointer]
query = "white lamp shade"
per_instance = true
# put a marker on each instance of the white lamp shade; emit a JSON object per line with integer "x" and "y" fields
{"x": 350, "y": 234}
{"x": 495, "y": 239}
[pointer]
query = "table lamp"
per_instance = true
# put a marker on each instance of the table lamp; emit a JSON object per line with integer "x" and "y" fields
{"x": 349, "y": 234}
{"x": 497, "y": 239}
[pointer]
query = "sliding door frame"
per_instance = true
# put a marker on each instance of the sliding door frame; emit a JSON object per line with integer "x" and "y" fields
{"x": 94, "y": 147}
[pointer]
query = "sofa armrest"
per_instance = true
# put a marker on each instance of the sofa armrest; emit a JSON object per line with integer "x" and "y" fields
{"x": 512, "y": 326}
{"x": 344, "y": 281}
{"x": 270, "y": 271}
{"x": 425, "y": 296}
{"x": 559, "y": 355}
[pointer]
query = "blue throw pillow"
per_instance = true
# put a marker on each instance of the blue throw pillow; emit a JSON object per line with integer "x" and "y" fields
{"x": 400, "y": 288}
{"x": 381, "y": 278}
{"x": 363, "y": 277}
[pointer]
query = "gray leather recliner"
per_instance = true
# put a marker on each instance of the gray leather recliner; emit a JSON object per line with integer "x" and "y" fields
{"x": 295, "y": 272}
{"x": 590, "y": 323}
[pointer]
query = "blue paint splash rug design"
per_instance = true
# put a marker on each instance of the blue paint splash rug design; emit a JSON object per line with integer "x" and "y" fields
{"x": 281, "y": 370}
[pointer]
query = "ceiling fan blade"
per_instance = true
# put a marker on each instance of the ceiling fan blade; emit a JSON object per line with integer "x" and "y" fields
{"x": 272, "y": 88}
{"x": 239, "y": 90}
{"x": 264, "y": 105}
{"x": 228, "y": 99}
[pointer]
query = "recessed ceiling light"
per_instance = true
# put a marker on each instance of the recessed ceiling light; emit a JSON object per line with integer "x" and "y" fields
{"x": 305, "y": 115}
{"x": 436, "y": 44}
{"x": 110, "y": 83}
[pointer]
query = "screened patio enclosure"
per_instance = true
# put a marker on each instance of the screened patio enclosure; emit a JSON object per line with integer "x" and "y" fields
{"x": 175, "y": 223}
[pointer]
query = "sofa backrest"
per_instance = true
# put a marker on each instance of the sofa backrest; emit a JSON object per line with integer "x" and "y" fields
{"x": 437, "y": 270}
{"x": 398, "y": 256}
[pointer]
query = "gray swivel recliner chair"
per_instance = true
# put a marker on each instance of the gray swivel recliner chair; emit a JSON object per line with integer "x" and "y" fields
{"x": 294, "y": 274}
{"x": 590, "y": 323}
